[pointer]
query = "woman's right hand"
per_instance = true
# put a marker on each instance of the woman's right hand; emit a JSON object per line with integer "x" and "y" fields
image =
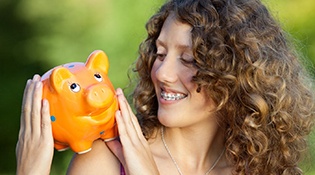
{"x": 35, "y": 147}
{"x": 133, "y": 149}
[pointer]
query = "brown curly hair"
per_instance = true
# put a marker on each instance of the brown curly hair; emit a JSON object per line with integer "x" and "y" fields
{"x": 250, "y": 70}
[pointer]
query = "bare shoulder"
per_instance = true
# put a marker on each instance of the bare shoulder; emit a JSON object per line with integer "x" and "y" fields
{"x": 98, "y": 161}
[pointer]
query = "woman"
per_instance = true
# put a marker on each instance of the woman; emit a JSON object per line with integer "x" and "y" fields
{"x": 220, "y": 91}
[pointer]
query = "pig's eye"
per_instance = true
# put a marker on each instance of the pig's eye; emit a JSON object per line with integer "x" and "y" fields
{"x": 75, "y": 87}
{"x": 98, "y": 77}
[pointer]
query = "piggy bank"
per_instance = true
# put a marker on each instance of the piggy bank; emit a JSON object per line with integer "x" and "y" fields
{"x": 82, "y": 103}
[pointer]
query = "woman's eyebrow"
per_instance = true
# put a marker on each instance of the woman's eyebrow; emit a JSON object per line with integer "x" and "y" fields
{"x": 178, "y": 46}
{"x": 159, "y": 42}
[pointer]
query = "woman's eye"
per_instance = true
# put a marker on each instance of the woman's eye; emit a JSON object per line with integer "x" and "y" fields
{"x": 187, "y": 61}
{"x": 160, "y": 56}
{"x": 75, "y": 87}
{"x": 98, "y": 77}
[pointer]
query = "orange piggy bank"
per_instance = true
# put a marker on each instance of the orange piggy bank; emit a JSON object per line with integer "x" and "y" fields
{"x": 82, "y": 103}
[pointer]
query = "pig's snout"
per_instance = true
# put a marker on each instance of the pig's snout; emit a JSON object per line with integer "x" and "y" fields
{"x": 99, "y": 96}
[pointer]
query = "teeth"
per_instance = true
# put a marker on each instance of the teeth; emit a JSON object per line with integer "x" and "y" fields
{"x": 172, "y": 96}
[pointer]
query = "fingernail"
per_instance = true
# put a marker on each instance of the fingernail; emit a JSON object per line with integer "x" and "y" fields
{"x": 28, "y": 81}
{"x": 36, "y": 77}
{"x": 119, "y": 91}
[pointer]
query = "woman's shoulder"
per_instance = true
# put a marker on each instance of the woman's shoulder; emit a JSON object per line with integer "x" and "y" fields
{"x": 97, "y": 161}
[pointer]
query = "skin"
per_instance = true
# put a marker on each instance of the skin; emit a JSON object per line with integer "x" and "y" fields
{"x": 172, "y": 74}
{"x": 189, "y": 120}
{"x": 34, "y": 149}
{"x": 191, "y": 129}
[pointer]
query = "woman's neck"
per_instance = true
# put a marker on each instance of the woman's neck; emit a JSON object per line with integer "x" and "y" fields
{"x": 197, "y": 146}
{"x": 195, "y": 149}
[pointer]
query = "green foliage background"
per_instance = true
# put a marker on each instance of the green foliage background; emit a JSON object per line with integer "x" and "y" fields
{"x": 36, "y": 35}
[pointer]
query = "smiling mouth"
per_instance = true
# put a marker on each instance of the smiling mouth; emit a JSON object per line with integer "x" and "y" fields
{"x": 172, "y": 96}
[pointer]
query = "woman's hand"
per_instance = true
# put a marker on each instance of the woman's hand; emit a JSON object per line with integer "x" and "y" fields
{"x": 133, "y": 150}
{"x": 35, "y": 147}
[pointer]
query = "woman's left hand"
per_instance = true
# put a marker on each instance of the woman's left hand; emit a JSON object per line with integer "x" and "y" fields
{"x": 133, "y": 150}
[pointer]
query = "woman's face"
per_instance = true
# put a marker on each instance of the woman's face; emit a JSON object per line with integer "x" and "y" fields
{"x": 179, "y": 103}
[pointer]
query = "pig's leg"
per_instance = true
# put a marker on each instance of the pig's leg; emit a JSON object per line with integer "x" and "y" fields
{"x": 81, "y": 147}
{"x": 61, "y": 147}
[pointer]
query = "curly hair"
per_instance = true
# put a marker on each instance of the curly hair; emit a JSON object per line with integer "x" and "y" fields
{"x": 250, "y": 70}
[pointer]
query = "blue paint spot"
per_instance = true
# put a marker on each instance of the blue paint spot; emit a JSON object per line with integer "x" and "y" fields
{"x": 52, "y": 118}
{"x": 102, "y": 132}
{"x": 71, "y": 66}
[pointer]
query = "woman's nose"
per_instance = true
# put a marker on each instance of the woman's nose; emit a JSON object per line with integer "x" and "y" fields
{"x": 167, "y": 71}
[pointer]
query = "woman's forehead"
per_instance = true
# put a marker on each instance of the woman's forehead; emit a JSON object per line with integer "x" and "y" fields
{"x": 175, "y": 31}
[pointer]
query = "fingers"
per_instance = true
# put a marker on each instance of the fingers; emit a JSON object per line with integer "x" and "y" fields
{"x": 46, "y": 129}
{"x": 26, "y": 112}
{"x": 121, "y": 124}
{"x": 35, "y": 144}
{"x": 36, "y": 109}
{"x": 127, "y": 112}
{"x": 24, "y": 109}
{"x": 134, "y": 151}
{"x": 26, "y": 106}
{"x": 129, "y": 120}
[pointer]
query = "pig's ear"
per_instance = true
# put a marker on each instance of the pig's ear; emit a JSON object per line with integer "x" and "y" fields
{"x": 58, "y": 76}
{"x": 98, "y": 60}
